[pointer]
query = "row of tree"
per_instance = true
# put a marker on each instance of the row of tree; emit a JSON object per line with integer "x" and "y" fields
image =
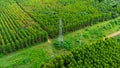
{"x": 17, "y": 29}
{"x": 102, "y": 53}
{"x": 75, "y": 14}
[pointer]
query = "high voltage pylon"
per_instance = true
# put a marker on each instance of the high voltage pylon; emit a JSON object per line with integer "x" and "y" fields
{"x": 60, "y": 37}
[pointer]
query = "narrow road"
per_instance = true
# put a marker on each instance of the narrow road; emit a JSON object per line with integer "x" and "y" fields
{"x": 114, "y": 34}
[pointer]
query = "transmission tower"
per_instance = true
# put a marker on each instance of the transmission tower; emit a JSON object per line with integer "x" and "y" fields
{"x": 60, "y": 37}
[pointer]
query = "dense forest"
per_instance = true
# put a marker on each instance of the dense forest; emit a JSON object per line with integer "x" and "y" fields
{"x": 59, "y": 33}
{"x": 102, "y": 53}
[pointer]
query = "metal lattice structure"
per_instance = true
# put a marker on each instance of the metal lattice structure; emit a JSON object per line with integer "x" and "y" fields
{"x": 60, "y": 37}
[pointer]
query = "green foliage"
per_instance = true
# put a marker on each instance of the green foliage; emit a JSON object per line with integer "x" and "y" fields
{"x": 17, "y": 29}
{"x": 117, "y": 38}
{"x": 65, "y": 44}
{"x": 33, "y": 57}
{"x": 100, "y": 0}
{"x": 26, "y": 22}
{"x": 75, "y": 14}
{"x": 103, "y": 53}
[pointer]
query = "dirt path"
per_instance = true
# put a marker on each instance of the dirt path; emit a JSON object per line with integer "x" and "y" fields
{"x": 114, "y": 34}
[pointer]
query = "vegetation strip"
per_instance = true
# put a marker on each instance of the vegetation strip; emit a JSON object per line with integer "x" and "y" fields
{"x": 102, "y": 53}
